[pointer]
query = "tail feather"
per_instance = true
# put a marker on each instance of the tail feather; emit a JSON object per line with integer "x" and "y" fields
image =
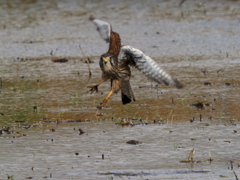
{"x": 127, "y": 93}
{"x": 126, "y": 99}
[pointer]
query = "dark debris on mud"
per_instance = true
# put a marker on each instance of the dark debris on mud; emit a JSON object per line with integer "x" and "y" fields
{"x": 125, "y": 174}
{"x": 6, "y": 131}
{"x": 152, "y": 173}
{"x": 130, "y": 122}
{"x": 133, "y": 142}
{"x": 62, "y": 121}
{"x": 59, "y": 60}
{"x": 199, "y": 105}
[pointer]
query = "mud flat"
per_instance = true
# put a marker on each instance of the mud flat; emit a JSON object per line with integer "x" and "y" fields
{"x": 191, "y": 133}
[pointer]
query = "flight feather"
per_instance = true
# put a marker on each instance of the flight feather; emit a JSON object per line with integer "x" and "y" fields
{"x": 146, "y": 65}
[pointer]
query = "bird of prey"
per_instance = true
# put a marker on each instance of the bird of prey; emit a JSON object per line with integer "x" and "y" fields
{"x": 116, "y": 62}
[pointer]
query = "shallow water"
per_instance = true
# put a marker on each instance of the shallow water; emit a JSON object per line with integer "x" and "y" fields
{"x": 45, "y": 103}
{"x": 64, "y": 154}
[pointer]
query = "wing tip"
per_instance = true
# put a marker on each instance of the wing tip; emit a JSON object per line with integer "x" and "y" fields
{"x": 99, "y": 24}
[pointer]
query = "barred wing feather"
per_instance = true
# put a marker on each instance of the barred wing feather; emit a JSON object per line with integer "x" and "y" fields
{"x": 104, "y": 29}
{"x": 147, "y": 66}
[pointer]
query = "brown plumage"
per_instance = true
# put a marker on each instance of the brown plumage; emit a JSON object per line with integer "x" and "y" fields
{"x": 115, "y": 65}
{"x": 115, "y": 44}
{"x": 111, "y": 69}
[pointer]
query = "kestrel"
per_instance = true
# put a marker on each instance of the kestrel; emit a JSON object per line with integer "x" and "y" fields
{"x": 116, "y": 65}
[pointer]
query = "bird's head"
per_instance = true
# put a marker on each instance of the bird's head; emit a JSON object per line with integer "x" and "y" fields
{"x": 109, "y": 60}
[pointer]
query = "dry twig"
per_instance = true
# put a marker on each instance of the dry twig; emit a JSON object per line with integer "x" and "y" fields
{"x": 87, "y": 59}
{"x": 235, "y": 175}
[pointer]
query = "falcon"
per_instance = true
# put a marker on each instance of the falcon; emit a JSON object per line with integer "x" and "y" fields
{"x": 116, "y": 65}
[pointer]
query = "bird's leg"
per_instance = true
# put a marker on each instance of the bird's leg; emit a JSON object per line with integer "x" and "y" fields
{"x": 95, "y": 87}
{"x": 104, "y": 103}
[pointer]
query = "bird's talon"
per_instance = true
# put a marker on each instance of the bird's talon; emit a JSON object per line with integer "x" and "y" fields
{"x": 92, "y": 89}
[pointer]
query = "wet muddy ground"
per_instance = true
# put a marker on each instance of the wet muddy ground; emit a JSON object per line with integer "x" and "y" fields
{"x": 50, "y": 127}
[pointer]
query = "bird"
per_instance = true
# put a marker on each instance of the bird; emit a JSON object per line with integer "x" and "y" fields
{"x": 117, "y": 62}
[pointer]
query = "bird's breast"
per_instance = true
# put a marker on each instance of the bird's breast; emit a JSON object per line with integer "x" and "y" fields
{"x": 111, "y": 71}
{"x": 107, "y": 67}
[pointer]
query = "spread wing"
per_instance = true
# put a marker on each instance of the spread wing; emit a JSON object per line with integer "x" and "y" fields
{"x": 105, "y": 31}
{"x": 147, "y": 66}
{"x": 104, "y": 28}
